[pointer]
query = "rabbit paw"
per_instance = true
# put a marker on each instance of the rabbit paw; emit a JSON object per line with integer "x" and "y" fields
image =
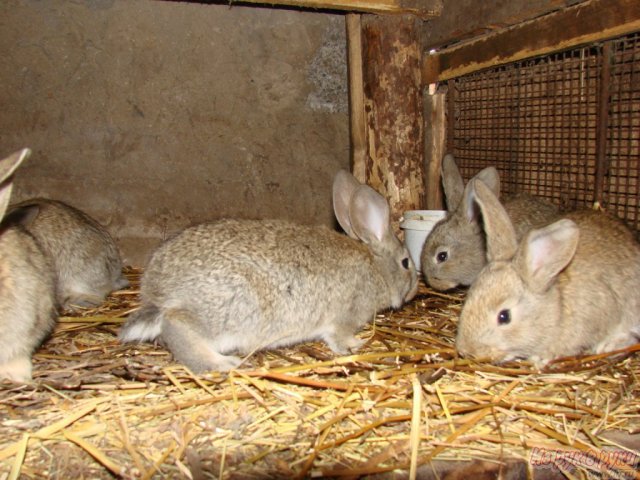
{"x": 17, "y": 370}
{"x": 82, "y": 300}
{"x": 615, "y": 341}
{"x": 346, "y": 345}
{"x": 539, "y": 362}
{"x": 224, "y": 363}
{"x": 201, "y": 357}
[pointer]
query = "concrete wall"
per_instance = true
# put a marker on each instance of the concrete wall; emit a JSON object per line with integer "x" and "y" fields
{"x": 153, "y": 115}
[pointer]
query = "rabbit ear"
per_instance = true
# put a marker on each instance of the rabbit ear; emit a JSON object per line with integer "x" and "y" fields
{"x": 369, "y": 213}
{"x": 451, "y": 182}
{"x": 491, "y": 179}
{"x": 344, "y": 186}
{"x": 501, "y": 236}
{"x": 546, "y": 252}
{"x": 23, "y": 215}
{"x": 5, "y": 195}
{"x": 7, "y": 166}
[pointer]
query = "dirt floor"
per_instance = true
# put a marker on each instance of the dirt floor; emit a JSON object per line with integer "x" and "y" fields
{"x": 404, "y": 406}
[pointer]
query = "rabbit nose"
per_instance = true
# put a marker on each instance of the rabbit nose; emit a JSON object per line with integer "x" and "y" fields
{"x": 440, "y": 284}
{"x": 466, "y": 348}
{"x": 462, "y": 350}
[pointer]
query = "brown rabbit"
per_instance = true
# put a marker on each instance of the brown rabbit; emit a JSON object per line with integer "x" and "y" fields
{"x": 567, "y": 288}
{"x": 27, "y": 287}
{"x": 455, "y": 250}
{"x": 243, "y": 285}
{"x": 84, "y": 256}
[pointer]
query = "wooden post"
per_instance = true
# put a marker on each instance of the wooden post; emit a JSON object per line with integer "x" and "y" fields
{"x": 356, "y": 98}
{"x": 389, "y": 148}
{"x": 435, "y": 114}
{"x": 602, "y": 122}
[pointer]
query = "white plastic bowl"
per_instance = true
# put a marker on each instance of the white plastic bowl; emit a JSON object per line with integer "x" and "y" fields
{"x": 417, "y": 224}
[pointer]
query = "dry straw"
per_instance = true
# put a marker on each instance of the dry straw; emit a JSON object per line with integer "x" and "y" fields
{"x": 406, "y": 402}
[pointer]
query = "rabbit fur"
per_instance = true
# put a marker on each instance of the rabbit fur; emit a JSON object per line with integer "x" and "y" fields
{"x": 246, "y": 285}
{"x": 455, "y": 251}
{"x": 84, "y": 255}
{"x": 27, "y": 287}
{"x": 568, "y": 288}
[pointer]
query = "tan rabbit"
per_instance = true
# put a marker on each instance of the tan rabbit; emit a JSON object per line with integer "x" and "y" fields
{"x": 84, "y": 256}
{"x": 243, "y": 285}
{"x": 568, "y": 288}
{"x": 27, "y": 288}
{"x": 455, "y": 250}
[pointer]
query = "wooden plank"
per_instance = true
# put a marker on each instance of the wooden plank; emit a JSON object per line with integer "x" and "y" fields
{"x": 588, "y": 22}
{"x": 422, "y": 8}
{"x": 356, "y": 97}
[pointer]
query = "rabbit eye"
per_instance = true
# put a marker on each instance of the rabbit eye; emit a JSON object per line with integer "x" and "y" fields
{"x": 504, "y": 317}
{"x": 442, "y": 257}
{"x": 405, "y": 263}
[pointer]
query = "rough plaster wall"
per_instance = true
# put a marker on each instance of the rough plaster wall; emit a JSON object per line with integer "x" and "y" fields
{"x": 154, "y": 115}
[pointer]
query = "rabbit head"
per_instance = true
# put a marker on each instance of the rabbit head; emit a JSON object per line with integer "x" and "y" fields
{"x": 454, "y": 251}
{"x": 512, "y": 309}
{"x": 364, "y": 215}
{"x": 85, "y": 256}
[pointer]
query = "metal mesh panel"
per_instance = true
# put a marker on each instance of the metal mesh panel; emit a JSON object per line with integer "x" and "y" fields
{"x": 538, "y": 122}
{"x": 622, "y": 189}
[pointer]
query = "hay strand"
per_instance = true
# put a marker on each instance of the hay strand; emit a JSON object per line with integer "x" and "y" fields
{"x": 415, "y": 426}
{"x": 21, "y": 450}
{"x": 95, "y": 453}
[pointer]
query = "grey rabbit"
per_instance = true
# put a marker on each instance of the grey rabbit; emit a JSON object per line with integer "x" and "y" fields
{"x": 455, "y": 251}
{"x": 567, "y": 288}
{"x": 84, "y": 255}
{"x": 27, "y": 287}
{"x": 246, "y": 285}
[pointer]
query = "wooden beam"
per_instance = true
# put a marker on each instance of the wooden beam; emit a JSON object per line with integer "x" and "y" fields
{"x": 422, "y": 8}
{"x": 465, "y": 19}
{"x": 588, "y": 22}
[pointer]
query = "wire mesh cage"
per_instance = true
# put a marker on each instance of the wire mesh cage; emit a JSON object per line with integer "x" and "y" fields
{"x": 564, "y": 126}
{"x": 622, "y": 190}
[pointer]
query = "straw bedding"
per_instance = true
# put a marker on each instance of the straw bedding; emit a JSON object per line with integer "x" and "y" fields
{"x": 405, "y": 406}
